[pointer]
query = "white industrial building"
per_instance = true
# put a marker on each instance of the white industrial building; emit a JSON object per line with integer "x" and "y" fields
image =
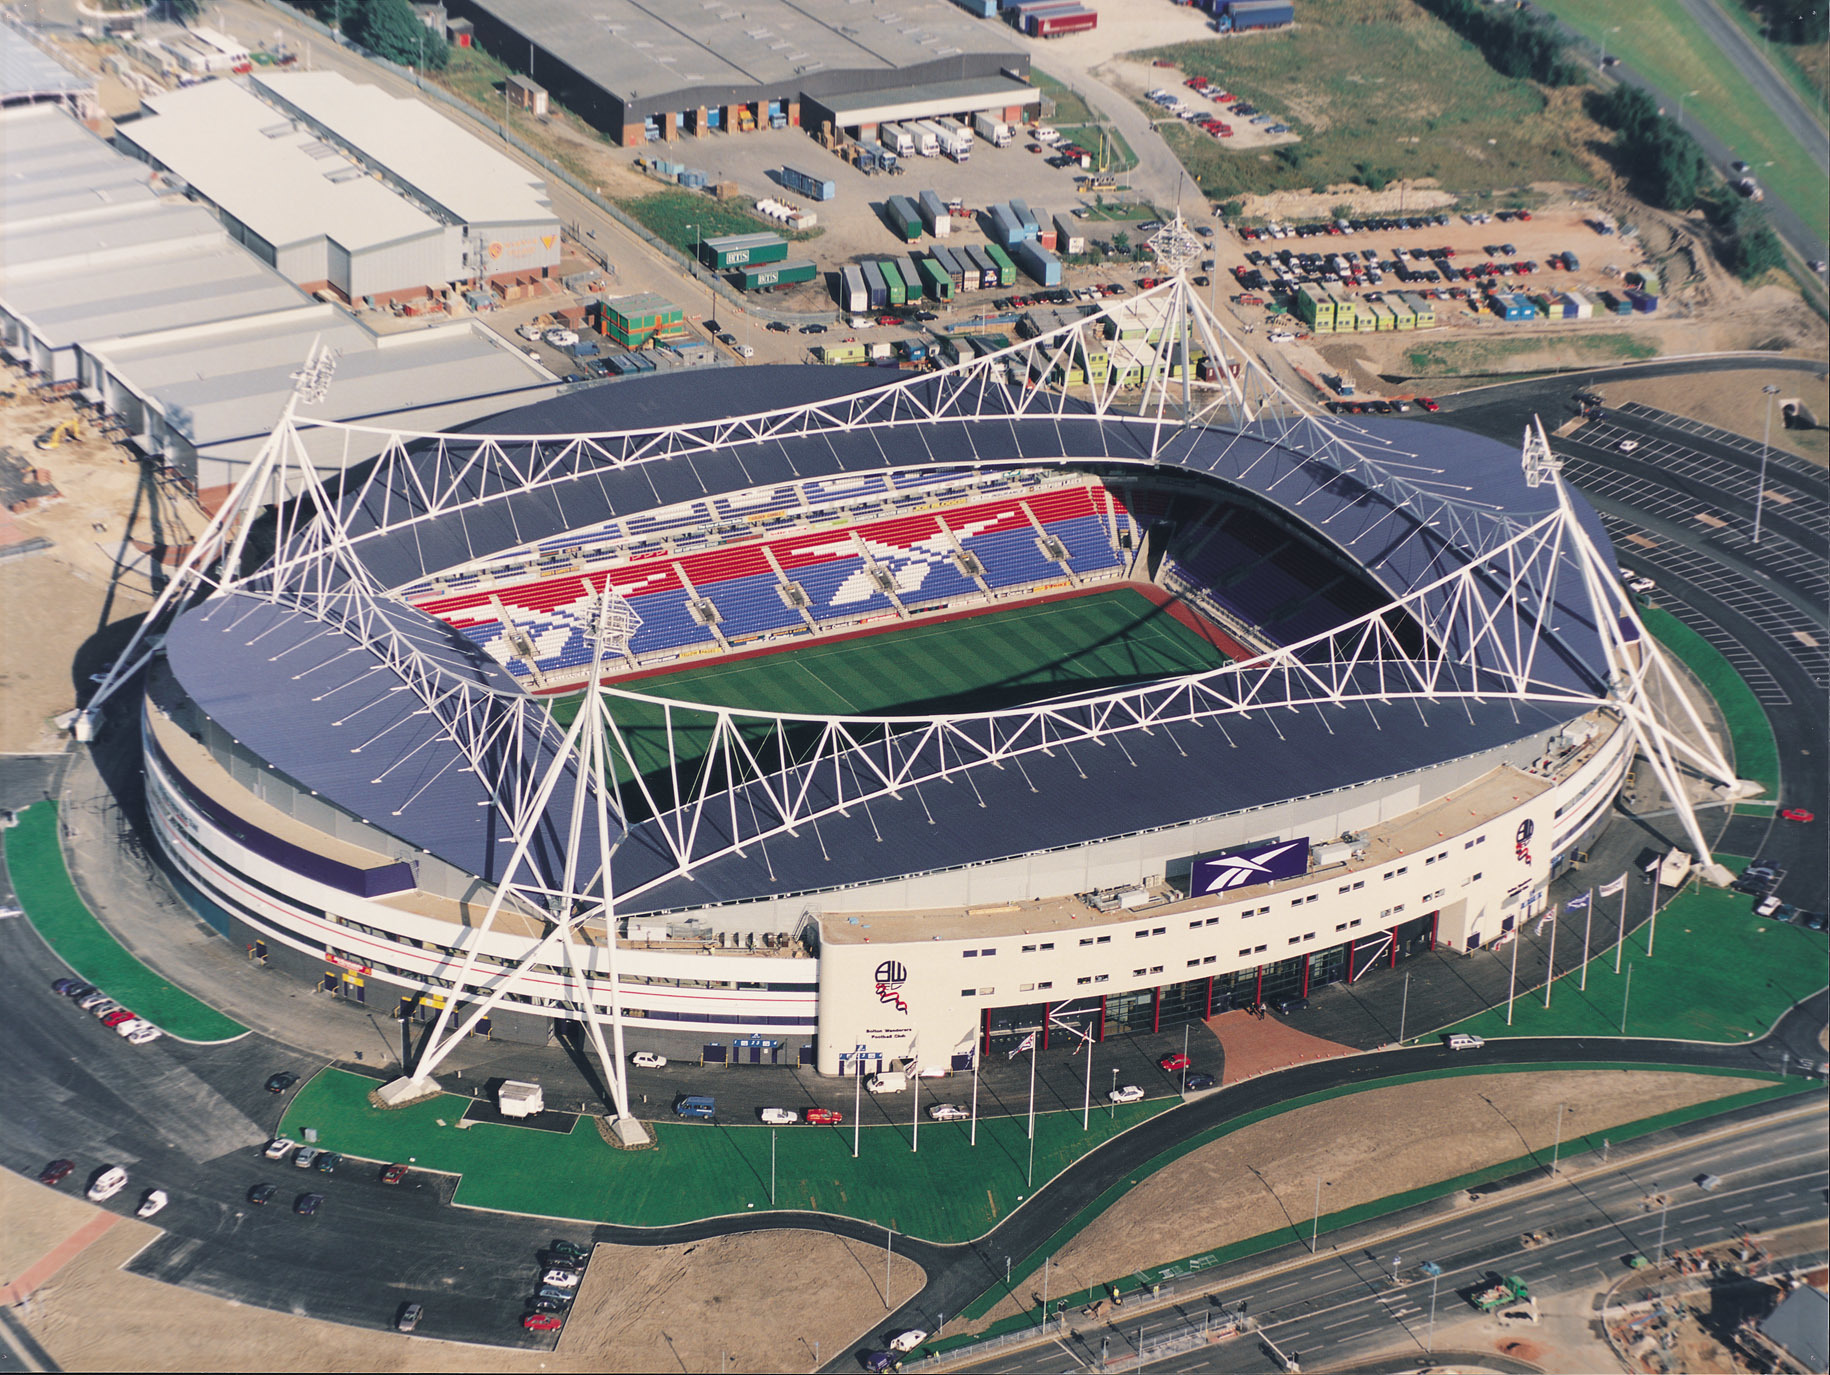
{"x": 345, "y": 188}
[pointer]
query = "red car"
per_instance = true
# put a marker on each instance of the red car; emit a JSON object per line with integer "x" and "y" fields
{"x": 1798, "y": 814}
{"x": 1428, "y": 404}
{"x": 393, "y": 1174}
{"x": 824, "y": 1117}
{"x": 56, "y": 1172}
{"x": 1173, "y": 1063}
{"x": 542, "y": 1322}
{"x": 889, "y": 320}
{"x": 116, "y": 1017}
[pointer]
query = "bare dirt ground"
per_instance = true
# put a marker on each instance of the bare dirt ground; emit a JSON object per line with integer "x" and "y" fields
{"x": 1363, "y": 1147}
{"x": 52, "y": 603}
{"x": 785, "y": 1300}
{"x": 1256, "y": 1045}
{"x": 1733, "y": 401}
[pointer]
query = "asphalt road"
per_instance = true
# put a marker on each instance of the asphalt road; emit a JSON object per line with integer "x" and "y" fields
{"x": 1352, "y": 1300}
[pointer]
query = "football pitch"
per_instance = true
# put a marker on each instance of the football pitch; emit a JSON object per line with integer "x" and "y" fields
{"x": 973, "y": 663}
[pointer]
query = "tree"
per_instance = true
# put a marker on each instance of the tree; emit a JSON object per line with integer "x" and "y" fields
{"x": 390, "y": 29}
{"x": 1121, "y": 243}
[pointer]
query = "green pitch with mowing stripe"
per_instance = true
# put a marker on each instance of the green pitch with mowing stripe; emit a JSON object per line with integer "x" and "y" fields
{"x": 974, "y": 663}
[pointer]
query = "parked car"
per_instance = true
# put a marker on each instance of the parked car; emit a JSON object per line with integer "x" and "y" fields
{"x": 305, "y": 1205}
{"x": 131, "y": 1025}
{"x": 328, "y": 1161}
{"x": 1172, "y": 1063}
{"x": 119, "y": 1015}
{"x": 154, "y": 1200}
{"x": 561, "y": 1299}
{"x": 107, "y": 1184}
{"x": 1627, "y": 446}
{"x": 56, "y": 1172}
{"x": 776, "y": 327}
{"x": 562, "y": 1247}
{"x": 947, "y": 1112}
{"x": 306, "y": 1157}
{"x": 779, "y": 1117}
{"x": 1199, "y": 1081}
{"x": 393, "y": 1174}
{"x": 542, "y": 1322}
{"x": 560, "y": 1278}
{"x": 140, "y": 1035}
{"x": 1797, "y": 814}
{"x": 262, "y": 1193}
{"x": 410, "y": 1314}
{"x": 63, "y": 986}
{"x": 542, "y": 1305}
{"x": 1428, "y": 404}
{"x": 280, "y": 1147}
{"x": 279, "y": 1083}
{"x": 824, "y": 1117}
{"x": 1126, "y": 1093}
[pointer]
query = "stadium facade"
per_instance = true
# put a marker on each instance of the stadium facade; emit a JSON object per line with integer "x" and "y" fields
{"x": 1435, "y": 690}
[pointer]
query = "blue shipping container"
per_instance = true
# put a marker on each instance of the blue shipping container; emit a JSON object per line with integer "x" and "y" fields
{"x": 983, "y": 9}
{"x": 1038, "y": 262}
{"x": 812, "y": 187}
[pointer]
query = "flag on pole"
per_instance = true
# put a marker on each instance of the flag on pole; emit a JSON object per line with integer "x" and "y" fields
{"x": 1028, "y": 1043}
{"x": 1608, "y": 890}
{"x": 1576, "y": 904}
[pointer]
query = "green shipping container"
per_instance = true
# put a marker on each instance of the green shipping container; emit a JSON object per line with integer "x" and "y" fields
{"x": 779, "y": 274}
{"x": 1007, "y": 269}
{"x": 892, "y": 281}
{"x": 741, "y": 250}
{"x": 939, "y": 284}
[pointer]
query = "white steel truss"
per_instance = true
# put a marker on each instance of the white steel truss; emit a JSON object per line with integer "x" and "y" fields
{"x": 1481, "y": 631}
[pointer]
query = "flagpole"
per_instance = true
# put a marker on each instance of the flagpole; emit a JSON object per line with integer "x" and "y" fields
{"x": 1652, "y": 925}
{"x": 1620, "y": 934}
{"x": 1086, "y": 1105}
{"x": 1550, "y": 960}
{"x": 1032, "y": 1089}
{"x": 1628, "y": 993}
{"x": 915, "y": 1113}
{"x": 974, "y": 1139}
{"x": 1512, "y": 980}
{"x": 1588, "y": 922}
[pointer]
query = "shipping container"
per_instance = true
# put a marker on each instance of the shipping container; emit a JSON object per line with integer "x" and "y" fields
{"x": 950, "y": 264}
{"x": 1005, "y": 227}
{"x": 779, "y": 274}
{"x": 1585, "y": 308}
{"x": 1237, "y": 16}
{"x": 934, "y": 214}
{"x": 1024, "y": 216}
{"x": 854, "y": 294}
{"x": 911, "y": 279}
{"x": 1040, "y": 264}
{"x": 1007, "y": 267}
{"x": 1054, "y": 25}
{"x": 892, "y": 281}
{"x": 938, "y": 283}
{"x": 1068, "y": 238}
{"x": 982, "y": 9}
{"x": 737, "y": 250}
{"x": 812, "y": 187}
{"x": 987, "y": 279}
{"x": 876, "y": 291}
{"x": 903, "y": 218}
{"x": 1643, "y": 301}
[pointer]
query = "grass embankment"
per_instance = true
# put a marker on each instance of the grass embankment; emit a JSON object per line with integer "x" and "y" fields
{"x": 1076, "y": 122}
{"x": 1662, "y": 42}
{"x": 57, "y": 912}
{"x": 1378, "y": 90}
{"x": 1716, "y": 973}
{"x": 1142, "y": 1279}
{"x": 1750, "y": 734}
{"x": 1450, "y": 358}
{"x": 947, "y": 1191}
{"x": 687, "y": 218}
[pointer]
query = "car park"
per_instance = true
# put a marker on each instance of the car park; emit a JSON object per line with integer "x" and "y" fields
{"x": 279, "y": 1083}
{"x": 307, "y": 1205}
{"x": 410, "y": 1314}
{"x": 107, "y": 1184}
{"x": 262, "y": 1193}
{"x": 280, "y": 1147}
{"x": 779, "y": 1117}
{"x": 56, "y": 1172}
{"x": 947, "y": 1112}
{"x": 1126, "y": 1093}
{"x": 824, "y": 1117}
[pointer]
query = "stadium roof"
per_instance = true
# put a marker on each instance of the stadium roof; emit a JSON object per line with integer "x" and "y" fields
{"x": 441, "y": 161}
{"x": 1071, "y": 796}
{"x": 644, "y": 48}
{"x": 282, "y": 181}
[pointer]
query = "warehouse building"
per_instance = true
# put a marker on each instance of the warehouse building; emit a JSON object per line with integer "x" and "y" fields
{"x": 29, "y": 75}
{"x": 344, "y": 188}
{"x": 645, "y": 70}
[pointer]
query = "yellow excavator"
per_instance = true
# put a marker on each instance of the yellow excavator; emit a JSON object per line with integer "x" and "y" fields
{"x": 61, "y": 431}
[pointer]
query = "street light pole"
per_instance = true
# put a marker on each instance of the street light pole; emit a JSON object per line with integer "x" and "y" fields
{"x": 1404, "y": 1005}
{"x": 1430, "y": 1344}
{"x": 1766, "y": 434}
{"x": 1557, "y": 1145}
{"x": 1315, "y": 1225}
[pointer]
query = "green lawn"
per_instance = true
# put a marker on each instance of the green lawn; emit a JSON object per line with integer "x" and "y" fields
{"x": 1756, "y": 754}
{"x": 999, "y": 659}
{"x": 57, "y": 912}
{"x": 1379, "y": 89}
{"x": 1660, "y": 40}
{"x": 687, "y": 218}
{"x": 1468, "y": 358}
{"x": 1717, "y": 973}
{"x": 947, "y": 1191}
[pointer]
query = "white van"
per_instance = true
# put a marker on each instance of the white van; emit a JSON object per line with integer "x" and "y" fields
{"x": 888, "y": 1083}
{"x": 1462, "y": 1041}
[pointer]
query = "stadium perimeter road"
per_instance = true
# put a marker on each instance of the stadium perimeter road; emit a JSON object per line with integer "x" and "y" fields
{"x": 1347, "y": 1303}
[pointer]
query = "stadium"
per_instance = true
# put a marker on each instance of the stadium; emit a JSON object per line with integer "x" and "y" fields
{"x": 930, "y": 713}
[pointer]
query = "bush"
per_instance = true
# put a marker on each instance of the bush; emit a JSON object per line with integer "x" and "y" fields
{"x": 1515, "y": 42}
{"x": 1664, "y": 163}
{"x": 390, "y": 29}
{"x": 1745, "y": 241}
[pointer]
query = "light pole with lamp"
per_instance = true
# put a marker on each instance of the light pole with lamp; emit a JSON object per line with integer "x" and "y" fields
{"x": 1766, "y": 434}
{"x": 1604, "y": 43}
{"x": 1112, "y": 1098}
{"x": 1681, "y": 100}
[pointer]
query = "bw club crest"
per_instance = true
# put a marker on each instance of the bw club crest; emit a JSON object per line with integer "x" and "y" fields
{"x": 891, "y": 976}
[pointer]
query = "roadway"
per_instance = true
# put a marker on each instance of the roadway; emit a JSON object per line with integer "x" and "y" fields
{"x": 1366, "y": 1294}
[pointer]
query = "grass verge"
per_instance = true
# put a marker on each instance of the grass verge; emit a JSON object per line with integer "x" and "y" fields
{"x": 1378, "y": 90}
{"x": 1077, "y": 122}
{"x": 1207, "y": 1260}
{"x": 1451, "y": 359}
{"x": 1717, "y": 973}
{"x": 947, "y": 1191}
{"x": 686, "y": 218}
{"x": 1749, "y": 732}
{"x": 57, "y": 912}
{"x": 1660, "y": 41}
